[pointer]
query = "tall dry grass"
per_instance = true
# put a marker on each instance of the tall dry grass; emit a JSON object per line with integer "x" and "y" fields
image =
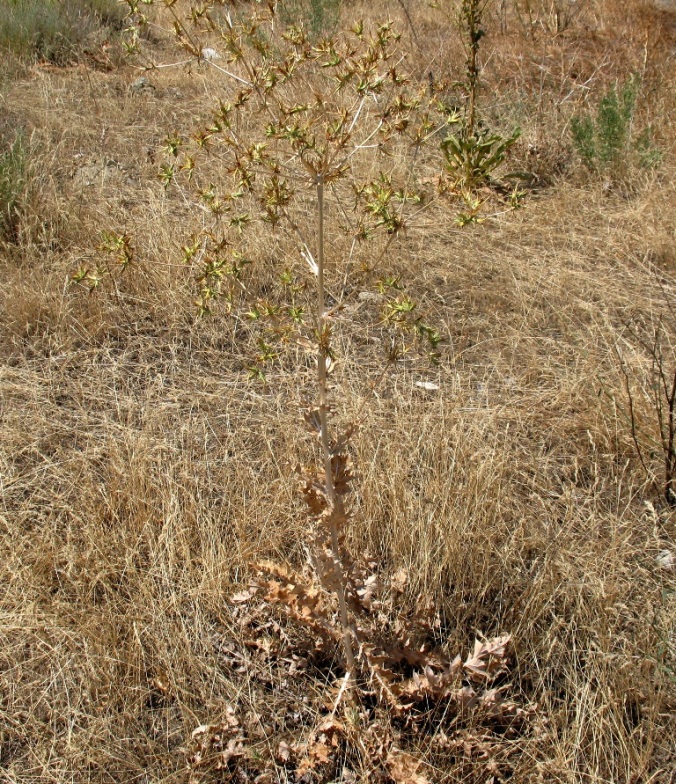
{"x": 141, "y": 473}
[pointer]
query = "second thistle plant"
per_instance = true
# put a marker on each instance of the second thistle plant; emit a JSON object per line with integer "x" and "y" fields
{"x": 473, "y": 155}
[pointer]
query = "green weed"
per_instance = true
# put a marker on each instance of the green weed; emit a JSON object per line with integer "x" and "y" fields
{"x": 473, "y": 159}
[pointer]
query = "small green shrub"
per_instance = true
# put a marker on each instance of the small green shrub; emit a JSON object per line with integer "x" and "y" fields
{"x": 53, "y": 30}
{"x": 13, "y": 173}
{"x": 607, "y": 143}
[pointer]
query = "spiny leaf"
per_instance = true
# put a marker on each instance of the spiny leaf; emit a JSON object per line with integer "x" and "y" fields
{"x": 488, "y": 658}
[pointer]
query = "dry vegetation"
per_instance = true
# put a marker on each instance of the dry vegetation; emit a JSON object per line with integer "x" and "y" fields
{"x": 143, "y": 472}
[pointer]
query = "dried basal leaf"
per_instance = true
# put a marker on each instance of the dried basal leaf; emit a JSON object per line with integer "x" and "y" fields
{"x": 326, "y": 568}
{"x": 334, "y": 517}
{"x": 403, "y": 768}
{"x": 284, "y": 752}
{"x": 216, "y": 746}
{"x": 314, "y": 495}
{"x": 322, "y": 747}
{"x": 376, "y": 739}
{"x": 368, "y": 590}
{"x": 342, "y": 474}
{"x": 340, "y": 444}
{"x": 466, "y": 697}
{"x": 332, "y": 728}
{"x": 488, "y": 658}
{"x": 297, "y": 664}
{"x": 426, "y": 619}
{"x": 300, "y": 599}
{"x": 399, "y": 580}
{"x": 244, "y": 596}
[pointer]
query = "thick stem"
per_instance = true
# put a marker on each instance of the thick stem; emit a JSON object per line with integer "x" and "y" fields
{"x": 322, "y": 356}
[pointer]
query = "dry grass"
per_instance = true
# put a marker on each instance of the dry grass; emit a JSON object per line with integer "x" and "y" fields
{"x": 141, "y": 473}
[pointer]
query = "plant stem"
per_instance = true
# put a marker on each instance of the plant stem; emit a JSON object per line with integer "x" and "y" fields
{"x": 472, "y": 14}
{"x": 322, "y": 356}
{"x": 670, "y": 450}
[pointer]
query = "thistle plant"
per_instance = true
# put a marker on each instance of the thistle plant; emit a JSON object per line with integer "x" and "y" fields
{"x": 474, "y": 154}
{"x": 325, "y": 107}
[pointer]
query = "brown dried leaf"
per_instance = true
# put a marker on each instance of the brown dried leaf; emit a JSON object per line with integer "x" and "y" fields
{"x": 314, "y": 496}
{"x": 417, "y": 658}
{"x": 466, "y": 697}
{"x": 228, "y": 725}
{"x": 338, "y": 446}
{"x": 342, "y": 474}
{"x": 403, "y": 768}
{"x": 399, "y": 580}
{"x": 233, "y": 750}
{"x": 216, "y": 745}
{"x": 322, "y": 748}
{"x": 244, "y": 596}
{"x": 495, "y": 706}
{"x": 320, "y": 753}
{"x": 384, "y": 682}
{"x": 301, "y": 600}
{"x": 376, "y": 738}
{"x": 332, "y": 728}
{"x": 278, "y": 570}
{"x": 488, "y": 658}
{"x": 284, "y": 751}
{"x": 368, "y": 590}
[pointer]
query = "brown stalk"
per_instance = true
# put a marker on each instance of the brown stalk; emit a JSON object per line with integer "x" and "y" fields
{"x": 632, "y": 420}
{"x": 670, "y": 449}
{"x": 322, "y": 356}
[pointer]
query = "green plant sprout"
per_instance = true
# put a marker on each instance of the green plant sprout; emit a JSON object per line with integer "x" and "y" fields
{"x": 118, "y": 255}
